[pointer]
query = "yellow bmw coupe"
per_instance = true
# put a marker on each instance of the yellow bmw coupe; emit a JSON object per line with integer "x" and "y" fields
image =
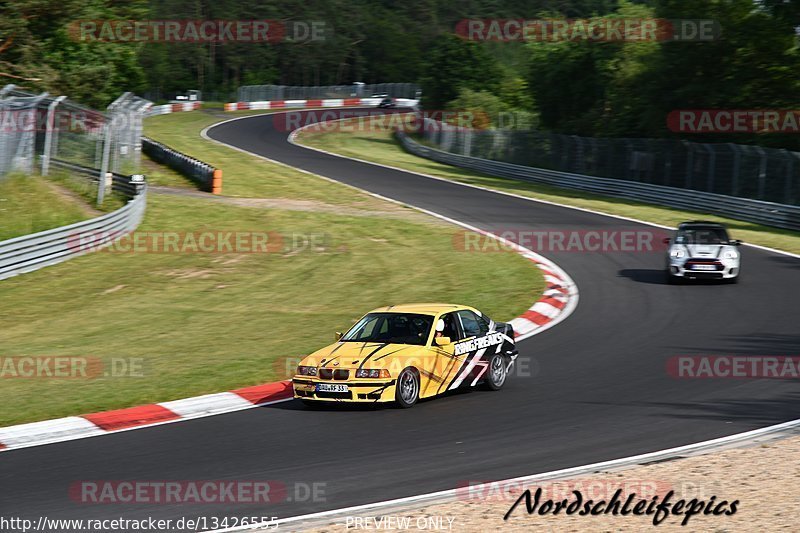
{"x": 402, "y": 353}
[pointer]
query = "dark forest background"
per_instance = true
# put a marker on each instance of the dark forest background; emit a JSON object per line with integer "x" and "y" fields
{"x": 584, "y": 88}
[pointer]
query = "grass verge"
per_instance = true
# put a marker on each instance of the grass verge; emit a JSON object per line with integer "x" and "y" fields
{"x": 29, "y": 204}
{"x": 378, "y": 145}
{"x": 193, "y": 323}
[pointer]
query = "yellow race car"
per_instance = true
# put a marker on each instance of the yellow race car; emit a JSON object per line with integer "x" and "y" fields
{"x": 406, "y": 352}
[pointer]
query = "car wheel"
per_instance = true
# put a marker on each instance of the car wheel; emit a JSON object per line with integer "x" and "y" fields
{"x": 497, "y": 373}
{"x": 672, "y": 280}
{"x": 406, "y": 390}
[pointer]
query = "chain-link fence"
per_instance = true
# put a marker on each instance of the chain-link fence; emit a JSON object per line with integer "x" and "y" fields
{"x": 261, "y": 93}
{"x": 36, "y": 130}
{"x": 731, "y": 169}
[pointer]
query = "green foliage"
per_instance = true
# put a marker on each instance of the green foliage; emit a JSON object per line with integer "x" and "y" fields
{"x": 455, "y": 64}
{"x": 628, "y": 89}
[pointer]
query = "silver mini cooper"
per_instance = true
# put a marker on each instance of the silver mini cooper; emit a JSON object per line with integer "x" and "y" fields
{"x": 703, "y": 250}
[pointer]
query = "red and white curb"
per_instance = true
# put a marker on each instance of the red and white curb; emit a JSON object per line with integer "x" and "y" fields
{"x": 173, "y": 108}
{"x": 78, "y": 427}
{"x": 326, "y": 102}
{"x": 556, "y": 303}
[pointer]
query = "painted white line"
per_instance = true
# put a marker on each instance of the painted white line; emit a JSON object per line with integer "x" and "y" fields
{"x": 42, "y": 440}
{"x": 544, "y": 308}
{"x": 24, "y": 435}
{"x": 293, "y": 136}
{"x": 207, "y": 404}
{"x": 565, "y": 281}
{"x": 221, "y": 403}
{"x": 450, "y": 494}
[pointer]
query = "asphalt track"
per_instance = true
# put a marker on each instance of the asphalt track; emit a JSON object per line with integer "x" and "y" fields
{"x": 599, "y": 388}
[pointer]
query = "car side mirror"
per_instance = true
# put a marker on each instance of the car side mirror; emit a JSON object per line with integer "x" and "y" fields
{"x": 441, "y": 341}
{"x": 735, "y": 242}
{"x": 338, "y": 335}
{"x": 667, "y": 240}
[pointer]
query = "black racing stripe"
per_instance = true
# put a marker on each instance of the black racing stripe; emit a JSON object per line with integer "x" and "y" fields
{"x": 390, "y": 353}
{"x": 431, "y": 376}
{"x": 373, "y": 352}
{"x": 449, "y": 368}
{"x": 467, "y": 360}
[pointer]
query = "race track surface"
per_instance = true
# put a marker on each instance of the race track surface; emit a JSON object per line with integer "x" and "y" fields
{"x": 599, "y": 387}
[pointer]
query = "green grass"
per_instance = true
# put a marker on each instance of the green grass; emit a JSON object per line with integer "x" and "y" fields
{"x": 29, "y": 204}
{"x": 160, "y": 175}
{"x": 204, "y": 323}
{"x": 378, "y": 145}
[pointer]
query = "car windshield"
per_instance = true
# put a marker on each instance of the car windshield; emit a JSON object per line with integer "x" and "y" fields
{"x": 392, "y": 328}
{"x": 702, "y": 236}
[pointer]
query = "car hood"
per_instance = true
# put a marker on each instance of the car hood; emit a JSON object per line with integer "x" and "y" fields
{"x": 704, "y": 250}
{"x": 353, "y": 354}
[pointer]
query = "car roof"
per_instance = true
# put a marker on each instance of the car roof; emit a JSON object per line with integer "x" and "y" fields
{"x": 701, "y": 223}
{"x": 421, "y": 308}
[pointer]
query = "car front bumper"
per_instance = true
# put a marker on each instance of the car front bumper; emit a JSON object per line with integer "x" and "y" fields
{"x": 358, "y": 390}
{"x": 723, "y": 268}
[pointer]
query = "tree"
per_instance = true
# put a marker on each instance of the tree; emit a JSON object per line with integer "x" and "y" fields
{"x": 455, "y": 64}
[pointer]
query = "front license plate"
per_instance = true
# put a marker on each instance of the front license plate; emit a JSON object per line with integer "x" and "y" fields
{"x": 704, "y": 267}
{"x": 327, "y": 387}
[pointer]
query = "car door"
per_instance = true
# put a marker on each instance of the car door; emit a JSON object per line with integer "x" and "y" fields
{"x": 445, "y": 362}
{"x": 470, "y": 349}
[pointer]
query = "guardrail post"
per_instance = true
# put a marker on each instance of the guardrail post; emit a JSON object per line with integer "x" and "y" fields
{"x": 712, "y": 166}
{"x": 48, "y": 136}
{"x": 787, "y": 187}
{"x": 101, "y": 181}
{"x": 737, "y": 167}
{"x": 762, "y": 172}
{"x": 689, "y": 164}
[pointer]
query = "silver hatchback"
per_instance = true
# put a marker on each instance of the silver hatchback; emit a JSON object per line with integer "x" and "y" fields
{"x": 703, "y": 250}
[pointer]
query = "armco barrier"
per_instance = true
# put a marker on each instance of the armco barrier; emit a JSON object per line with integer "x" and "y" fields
{"x": 330, "y": 102}
{"x": 208, "y": 177}
{"x": 32, "y": 252}
{"x": 760, "y": 212}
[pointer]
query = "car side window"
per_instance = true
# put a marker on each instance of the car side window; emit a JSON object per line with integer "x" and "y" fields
{"x": 451, "y": 327}
{"x": 474, "y": 325}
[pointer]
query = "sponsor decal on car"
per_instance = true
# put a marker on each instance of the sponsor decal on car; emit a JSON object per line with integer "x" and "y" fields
{"x": 478, "y": 343}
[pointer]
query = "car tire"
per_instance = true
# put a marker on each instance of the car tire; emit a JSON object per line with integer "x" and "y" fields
{"x": 497, "y": 372}
{"x": 671, "y": 280}
{"x": 309, "y": 404}
{"x": 406, "y": 390}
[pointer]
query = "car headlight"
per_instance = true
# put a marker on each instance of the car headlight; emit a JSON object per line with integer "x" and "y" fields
{"x": 730, "y": 255}
{"x": 677, "y": 254}
{"x": 372, "y": 373}
{"x": 307, "y": 370}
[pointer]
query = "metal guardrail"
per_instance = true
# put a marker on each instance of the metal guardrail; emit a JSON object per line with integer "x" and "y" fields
{"x": 32, "y": 252}
{"x": 758, "y": 211}
{"x": 258, "y": 93}
{"x": 208, "y": 177}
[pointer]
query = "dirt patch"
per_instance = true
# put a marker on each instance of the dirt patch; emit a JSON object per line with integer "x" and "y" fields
{"x": 73, "y": 198}
{"x": 388, "y": 210}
